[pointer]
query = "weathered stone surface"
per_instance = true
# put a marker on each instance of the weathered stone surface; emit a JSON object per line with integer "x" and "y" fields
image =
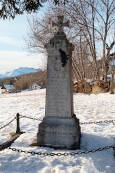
{"x": 59, "y": 133}
{"x": 59, "y": 129}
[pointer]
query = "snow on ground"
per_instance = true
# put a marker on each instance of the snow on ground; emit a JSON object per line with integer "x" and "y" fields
{"x": 86, "y": 107}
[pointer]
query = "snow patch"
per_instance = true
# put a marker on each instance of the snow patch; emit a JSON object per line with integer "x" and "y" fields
{"x": 86, "y": 107}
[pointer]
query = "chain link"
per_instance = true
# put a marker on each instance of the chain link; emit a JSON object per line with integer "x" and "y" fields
{"x": 8, "y": 123}
{"x": 82, "y": 123}
{"x": 63, "y": 154}
{"x": 98, "y": 122}
{"x": 38, "y": 119}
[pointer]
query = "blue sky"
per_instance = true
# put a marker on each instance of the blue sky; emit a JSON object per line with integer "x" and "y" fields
{"x": 13, "y": 49}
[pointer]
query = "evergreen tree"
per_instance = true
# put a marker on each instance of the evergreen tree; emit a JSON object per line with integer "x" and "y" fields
{"x": 11, "y": 8}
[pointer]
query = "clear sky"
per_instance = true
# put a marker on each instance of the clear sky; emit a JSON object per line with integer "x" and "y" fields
{"x": 13, "y": 49}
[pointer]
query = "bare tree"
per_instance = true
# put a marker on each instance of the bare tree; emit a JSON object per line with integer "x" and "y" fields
{"x": 91, "y": 21}
{"x": 94, "y": 19}
{"x": 80, "y": 61}
{"x": 41, "y": 30}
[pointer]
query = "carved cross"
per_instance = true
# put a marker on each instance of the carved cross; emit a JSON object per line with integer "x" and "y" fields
{"x": 60, "y": 23}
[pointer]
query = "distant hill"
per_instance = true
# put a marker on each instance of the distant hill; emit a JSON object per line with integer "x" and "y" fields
{"x": 19, "y": 71}
{"x": 26, "y": 81}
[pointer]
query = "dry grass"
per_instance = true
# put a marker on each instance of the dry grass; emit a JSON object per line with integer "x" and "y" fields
{"x": 82, "y": 87}
{"x": 97, "y": 89}
{"x": 34, "y": 143}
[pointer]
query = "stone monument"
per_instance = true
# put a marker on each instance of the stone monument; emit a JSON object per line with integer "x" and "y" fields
{"x": 60, "y": 127}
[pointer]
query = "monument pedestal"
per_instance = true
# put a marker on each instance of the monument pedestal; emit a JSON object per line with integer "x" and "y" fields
{"x": 59, "y": 133}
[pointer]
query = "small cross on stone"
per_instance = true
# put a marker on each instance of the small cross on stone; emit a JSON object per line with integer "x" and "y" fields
{"x": 60, "y": 23}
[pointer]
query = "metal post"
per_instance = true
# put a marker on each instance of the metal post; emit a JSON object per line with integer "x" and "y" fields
{"x": 18, "y": 123}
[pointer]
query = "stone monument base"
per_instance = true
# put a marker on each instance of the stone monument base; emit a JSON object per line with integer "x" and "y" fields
{"x": 57, "y": 132}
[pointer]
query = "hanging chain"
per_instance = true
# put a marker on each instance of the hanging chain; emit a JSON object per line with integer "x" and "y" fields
{"x": 8, "y": 123}
{"x": 82, "y": 123}
{"x": 98, "y": 122}
{"x": 62, "y": 154}
{"x": 40, "y": 119}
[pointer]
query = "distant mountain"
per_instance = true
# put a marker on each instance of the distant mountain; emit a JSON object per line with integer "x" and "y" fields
{"x": 19, "y": 71}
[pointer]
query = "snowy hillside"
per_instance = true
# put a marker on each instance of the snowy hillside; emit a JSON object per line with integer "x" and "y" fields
{"x": 86, "y": 107}
{"x": 19, "y": 71}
